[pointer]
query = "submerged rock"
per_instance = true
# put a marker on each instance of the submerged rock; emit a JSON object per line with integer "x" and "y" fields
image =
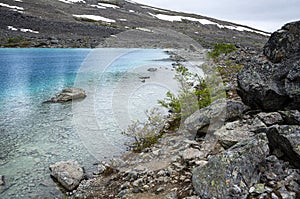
{"x": 152, "y": 69}
{"x": 2, "y": 182}
{"x": 69, "y": 174}
{"x": 67, "y": 94}
{"x": 231, "y": 174}
{"x": 274, "y": 85}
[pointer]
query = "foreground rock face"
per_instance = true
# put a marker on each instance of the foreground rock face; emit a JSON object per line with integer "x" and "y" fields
{"x": 66, "y": 95}
{"x": 229, "y": 175}
{"x": 275, "y": 84}
{"x": 69, "y": 174}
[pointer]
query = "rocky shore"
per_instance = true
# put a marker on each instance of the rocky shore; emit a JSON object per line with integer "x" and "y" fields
{"x": 244, "y": 147}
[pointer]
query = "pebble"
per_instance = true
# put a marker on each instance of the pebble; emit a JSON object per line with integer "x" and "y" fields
{"x": 160, "y": 189}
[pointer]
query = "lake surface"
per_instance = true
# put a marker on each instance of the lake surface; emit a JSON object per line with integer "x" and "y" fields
{"x": 35, "y": 135}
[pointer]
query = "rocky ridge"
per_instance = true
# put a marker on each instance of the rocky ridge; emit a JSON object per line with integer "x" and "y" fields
{"x": 89, "y": 23}
{"x": 239, "y": 152}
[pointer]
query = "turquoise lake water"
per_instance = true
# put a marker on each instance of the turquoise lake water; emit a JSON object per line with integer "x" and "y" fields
{"x": 35, "y": 135}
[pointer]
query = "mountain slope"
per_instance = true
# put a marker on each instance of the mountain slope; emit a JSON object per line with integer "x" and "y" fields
{"x": 79, "y": 23}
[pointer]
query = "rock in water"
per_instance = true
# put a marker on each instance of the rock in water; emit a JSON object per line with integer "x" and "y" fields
{"x": 2, "y": 182}
{"x": 275, "y": 84}
{"x": 152, "y": 69}
{"x": 69, "y": 174}
{"x": 231, "y": 174}
{"x": 67, "y": 94}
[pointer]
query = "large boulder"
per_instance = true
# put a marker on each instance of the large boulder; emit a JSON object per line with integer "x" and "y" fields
{"x": 67, "y": 94}
{"x": 231, "y": 174}
{"x": 284, "y": 43}
{"x": 270, "y": 86}
{"x": 69, "y": 174}
{"x": 285, "y": 142}
{"x": 214, "y": 116}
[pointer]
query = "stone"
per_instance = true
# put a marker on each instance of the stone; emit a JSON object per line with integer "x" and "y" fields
{"x": 160, "y": 189}
{"x": 231, "y": 174}
{"x": 171, "y": 195}
{"x": 214, "y": 115}
{"x": 284, "y": 43}
{"x": 2, "y": 182}
{"x": 67, "y": 94}
{"x": 270, "y": 86}
{"x": 258, "y": 189}
{"x": 291, "y": 117}
{"x": 191, "y": 153}
{"x": 286, "y": 138}
{"x": 232, "y": 133}
{"x": 270, "y": 118}
{"x": 69, "y": 174}
{"x": 152, "y": 69}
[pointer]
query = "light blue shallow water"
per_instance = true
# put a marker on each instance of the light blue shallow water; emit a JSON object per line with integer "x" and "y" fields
{"x": 34, "y": 135}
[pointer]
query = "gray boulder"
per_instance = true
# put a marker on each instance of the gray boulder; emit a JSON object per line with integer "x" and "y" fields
{"x": 214, "y": 115}
{"x": 67, "y": 94}
{"x": 291, "y": 117}
{"x": 285, "y": 142}
{"x": 231, "y": 174}
{"x": 284, "y": 43}
{"x": 69, "y": 174}
{"x": 268, "y": 86}
{"x": 234, "y": 132}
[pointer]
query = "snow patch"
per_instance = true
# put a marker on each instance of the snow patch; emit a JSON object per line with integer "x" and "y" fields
{"x": 205, "y": 22}
{"x": 97, "y": 6}
{"x": 72, "y": 1}
{"x": 17, "y": 8}
{"x": 144, "y": 29}
{"x": 12, "y": 28}
{"x": 22, "y": 29}
{"x": 122, "y": 19}
{"x": 129, "y": 1}
{"x": 96, "y": 18}
{"x": 132, "y": 11}
{"x": 18, "y": 0}
{"x": 107, "y": 5}
{"x": 156, "y": 9}
{"x": 28, "y": 30}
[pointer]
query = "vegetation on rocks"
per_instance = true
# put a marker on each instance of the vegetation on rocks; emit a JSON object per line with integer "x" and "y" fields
{"x": 193, "y": 94}
{"x": 146, "y": 133}
{"x": 222, "y": 48}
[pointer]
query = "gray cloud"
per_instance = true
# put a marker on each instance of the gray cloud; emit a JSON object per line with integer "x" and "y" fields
{"x": 267, "y": 15}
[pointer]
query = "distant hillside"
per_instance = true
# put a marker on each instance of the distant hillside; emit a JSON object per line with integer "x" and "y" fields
{"x": 88, "y": 23}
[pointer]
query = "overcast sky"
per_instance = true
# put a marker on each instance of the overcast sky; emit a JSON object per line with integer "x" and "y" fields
{"x": 267, "y": 15}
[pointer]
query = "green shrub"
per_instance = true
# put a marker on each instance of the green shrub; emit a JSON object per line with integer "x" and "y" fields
{"x": 147, "y": 133}
{"x": 221, "y": 49}
{"x": 14, "y": 40}
{"x": 189, "y": 98}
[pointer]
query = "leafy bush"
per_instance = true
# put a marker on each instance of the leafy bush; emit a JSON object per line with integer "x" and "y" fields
{"x": 14, "y": 40}
{"x": 190, "y": 98}
{"x": 222, "y": 49}
{"x": 147, "y": 133}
